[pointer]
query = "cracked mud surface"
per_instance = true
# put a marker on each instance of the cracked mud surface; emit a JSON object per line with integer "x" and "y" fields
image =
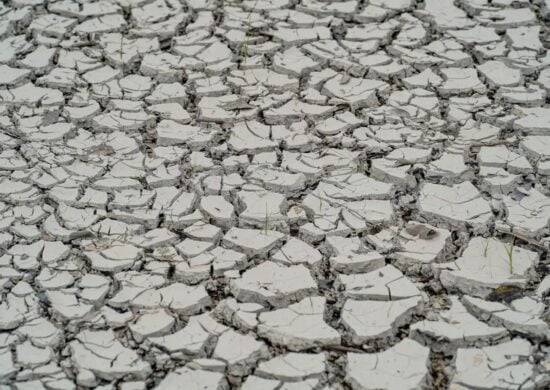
{"x": 274, "y": 194}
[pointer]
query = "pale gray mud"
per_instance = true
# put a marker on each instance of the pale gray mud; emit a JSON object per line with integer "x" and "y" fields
{"x": 274, "y": 194}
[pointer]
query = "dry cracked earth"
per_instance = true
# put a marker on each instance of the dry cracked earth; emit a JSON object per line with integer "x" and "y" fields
{"x": 274, "y": 194}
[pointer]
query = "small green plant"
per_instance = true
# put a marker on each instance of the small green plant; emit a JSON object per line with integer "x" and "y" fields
{"x": 510, "y": 252}
{"x": 121, "y": 49}
{"x": 244, "y": 51}
{"x": 364, "y": 167}
{"x": 266, "y": 221}
{"x": 486, "y": 248}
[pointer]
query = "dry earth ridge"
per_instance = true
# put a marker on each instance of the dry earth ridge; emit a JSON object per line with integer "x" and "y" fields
{"x": 274, "y": 194}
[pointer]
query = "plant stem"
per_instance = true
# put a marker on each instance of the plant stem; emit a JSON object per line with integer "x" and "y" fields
{"x": 510, "y": 252}
{"x": 266, "y": 221}
{"x": 486, "y": 248}
{"x": 247, "y": 34}
{"x": 121, "y": 49}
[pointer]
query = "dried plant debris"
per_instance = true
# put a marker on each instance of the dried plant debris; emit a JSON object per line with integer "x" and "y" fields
{"x": 274, "y": 194}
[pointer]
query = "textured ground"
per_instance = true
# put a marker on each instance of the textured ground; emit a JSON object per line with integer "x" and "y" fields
{"x": 274, "y": 194}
